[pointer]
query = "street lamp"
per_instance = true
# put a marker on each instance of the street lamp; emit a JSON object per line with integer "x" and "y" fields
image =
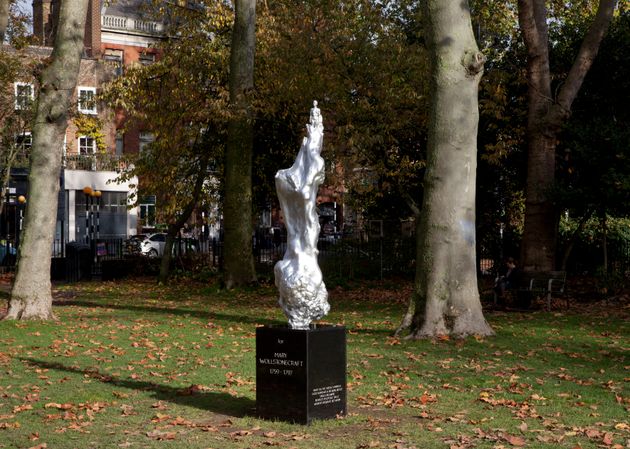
{"x": 8, "y": 199}
{"x": 97, "y": 195}
{"x": 21, "y": 202}
{"x": 87, "y": 190}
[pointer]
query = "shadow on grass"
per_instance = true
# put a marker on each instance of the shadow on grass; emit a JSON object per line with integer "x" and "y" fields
{"x": 170, "y": 311}
{"x": 368, "y": 332}
{"x": 212, "y": 401}
{"x": 203, "y": 314}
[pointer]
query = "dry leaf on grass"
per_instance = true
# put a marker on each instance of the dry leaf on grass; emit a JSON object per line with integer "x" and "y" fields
{"x": 159, "y": 435}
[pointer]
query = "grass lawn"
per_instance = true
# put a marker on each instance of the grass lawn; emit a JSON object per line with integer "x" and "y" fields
{"x": 135, "y": 365}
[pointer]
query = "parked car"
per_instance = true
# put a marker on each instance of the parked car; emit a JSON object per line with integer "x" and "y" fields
{"x": 133, "y": 245}
{"x": 153, "y": 245}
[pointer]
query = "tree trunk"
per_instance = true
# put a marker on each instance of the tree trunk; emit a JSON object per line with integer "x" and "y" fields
{"x": 574, "y": 238}
{"x": 173, "y": 229}
{"x": 31, "y": 297}
{"x": 541, "y": 218}
{"x": 4, "y": 19}
{"x": 10, "y": 155}
{"x": 546, "y": 115}
{"x": 237, "y": 209}
{"x": 411, "y": 319}
{"x": 446, "y": 275}
{"x": 165, "y": 263}
{"x": 605, "y": 242}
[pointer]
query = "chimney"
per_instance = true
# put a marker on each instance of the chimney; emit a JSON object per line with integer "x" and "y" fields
{"x": 92, "y": 36}
{"x": 45, "y": 15}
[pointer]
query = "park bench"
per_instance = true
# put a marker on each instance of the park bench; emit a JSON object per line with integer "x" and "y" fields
{"x": 541, "y": 283}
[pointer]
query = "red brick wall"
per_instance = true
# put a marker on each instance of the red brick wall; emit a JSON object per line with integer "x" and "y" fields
{"x": 92, "y": 36}
{"x": 44, "y": 15}
{"x": 131, "y": 55}
{"x": 93, "y": 73}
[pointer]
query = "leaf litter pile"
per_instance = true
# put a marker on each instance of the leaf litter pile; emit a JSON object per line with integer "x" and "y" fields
{"x": 135, "y": 365}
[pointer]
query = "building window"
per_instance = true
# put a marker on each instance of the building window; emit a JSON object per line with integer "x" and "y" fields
{"x": 146, "y": 209}
{"x": 145, "y": 139}
{"x": 87, "y": 100}
{"x": 24, "y": 95}
{"x": 112, "y": 215}
{"x": 146, "y": 58}
{"x": 24, "y": 141}
{"x": 120, "y": 143}
{"x": 65, "y": 144}
{"x": 114, "y": 58}
{"x": 87, "y": 145}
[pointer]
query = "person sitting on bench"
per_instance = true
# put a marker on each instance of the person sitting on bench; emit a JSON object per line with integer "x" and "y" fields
{"x": 507, "y": 280}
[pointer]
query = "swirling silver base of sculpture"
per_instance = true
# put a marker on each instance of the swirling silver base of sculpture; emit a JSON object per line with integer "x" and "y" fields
{"x": 303, "y": 295}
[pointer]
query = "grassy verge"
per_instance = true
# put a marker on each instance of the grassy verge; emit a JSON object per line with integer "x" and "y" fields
{"x": 135, "y": 365}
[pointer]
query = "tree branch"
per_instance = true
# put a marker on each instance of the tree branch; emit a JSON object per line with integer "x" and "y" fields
{"x": 567, "y": 251}
{"x": 411, "y": 203}
{"x": 584, "y": 59}
{"x": 532, "y": 21}
{"x": 533, "y": 29}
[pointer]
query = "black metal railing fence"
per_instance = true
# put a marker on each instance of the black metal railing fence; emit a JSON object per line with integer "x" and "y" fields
{"x": 340, "y": 257}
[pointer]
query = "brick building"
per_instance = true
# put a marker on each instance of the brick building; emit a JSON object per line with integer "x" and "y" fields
{"x": 116, "y": 35}
{"x": 119, "y": 34}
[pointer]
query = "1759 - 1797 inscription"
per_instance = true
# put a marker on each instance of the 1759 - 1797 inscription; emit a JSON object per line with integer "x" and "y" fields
{"x": 300, "y": 374}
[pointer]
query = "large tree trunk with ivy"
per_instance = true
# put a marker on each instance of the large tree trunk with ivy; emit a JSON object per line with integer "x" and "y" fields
{"x": 31, "y": 297}
{"x": 238, "y": 255}
{"x": 446, "y": 297}
{"x": 546, "y": 116}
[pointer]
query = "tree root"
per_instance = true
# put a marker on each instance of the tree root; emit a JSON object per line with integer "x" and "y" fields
{"x": 404, "y": 325}
{"x": 22, "y": 310}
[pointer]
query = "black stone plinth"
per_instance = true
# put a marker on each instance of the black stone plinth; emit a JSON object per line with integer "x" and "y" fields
{"x": 300, "y": 374}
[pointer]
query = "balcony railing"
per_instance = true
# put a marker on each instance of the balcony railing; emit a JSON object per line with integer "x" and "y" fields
{"x": 131, "y": 24}
{"x": 95, "y": 162}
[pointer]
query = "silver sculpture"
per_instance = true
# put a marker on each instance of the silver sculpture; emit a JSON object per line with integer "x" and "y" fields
{"x": 303, "y": 295}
